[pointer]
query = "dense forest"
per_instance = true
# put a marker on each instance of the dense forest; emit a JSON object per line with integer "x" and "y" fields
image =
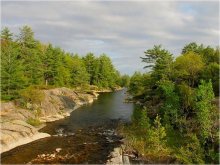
{"x": 28, "y": 63}
{"x": 178, "y": 121}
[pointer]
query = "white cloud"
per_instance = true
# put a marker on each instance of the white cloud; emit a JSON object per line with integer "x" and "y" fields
{"x": 123, "y": 30}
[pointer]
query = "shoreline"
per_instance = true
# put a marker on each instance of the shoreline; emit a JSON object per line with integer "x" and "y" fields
{"x": 27, "y": 133}
{"x": 50, "y": 118}
{"x": 25, "y": 140}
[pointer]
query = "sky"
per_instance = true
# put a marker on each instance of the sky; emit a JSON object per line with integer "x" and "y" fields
{"x": 121, "y": 29}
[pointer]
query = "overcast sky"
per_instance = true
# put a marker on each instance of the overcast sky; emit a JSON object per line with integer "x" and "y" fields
{"x": 123, "y": 30}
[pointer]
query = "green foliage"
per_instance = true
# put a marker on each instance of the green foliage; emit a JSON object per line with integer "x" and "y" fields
{"x": 34, "y": 122}
{"x": 107, "y": 73}
{"x": 192, "y": 47}
{"x": 204, "y": 108}
{"x": 149, "y": 141}
{"x": 26, "y": 37}
{"x": 175, "y": 91}
{"x": 92, "y": 67}
{"x": 26, "y": 62}
{"x": 157, "y": 137}
{"x": 32, "y": 95}
{"x": 187, "y": 96}
{"x": 12, "y": 78}
{"x": 163, "y": 66}
{"x": 167, "y": 87}
{"x": 6, "y": 35}
{"x": 125, "y": 81}
{"x": 55, "y": 68}
{"x": 136, "y": 86}
{"x": 188, "y": 67}
{"x": 156, "y": 143}
{"x": 79, "y": 75}
{"x": 211, "y": 71}
{"x": 171, "y": 101}
{"x": 29, "y": 54}
{"x": 101, "y": 71}
{"x": 154, "y": 54}
{"x": 140, "y": 119}
{"x": 191, "y": 152}
{"x": 210, "y": 55}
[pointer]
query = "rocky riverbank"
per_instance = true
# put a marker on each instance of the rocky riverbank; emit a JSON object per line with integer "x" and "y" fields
{"x": 16, "y": 126}
{"x": 99, "y": 144}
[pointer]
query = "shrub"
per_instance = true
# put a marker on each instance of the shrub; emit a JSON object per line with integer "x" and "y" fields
{"x": 191, "y": 152}
{"x": 32, "y": 94}
{"x": 33, "y": 121}
{"x": 140, "y": 119}
{"x": 150, "y": 142}
{"x": 157, "y": 142}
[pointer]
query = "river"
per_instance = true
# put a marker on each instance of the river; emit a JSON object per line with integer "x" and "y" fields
{"x": 86, "y": 136}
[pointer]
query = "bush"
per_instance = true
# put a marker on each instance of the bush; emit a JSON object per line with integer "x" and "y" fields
{"x": 140, "y": 119}
{"x": 33, "y": 121}
{"x": 32, "y": 94}
{"x": 157, "y": 142}
{"x": 191, "y": 152}
{"x": 149, "y": 140}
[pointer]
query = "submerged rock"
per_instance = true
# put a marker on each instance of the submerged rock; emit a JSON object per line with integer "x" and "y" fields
{"x": 58, "y": 149}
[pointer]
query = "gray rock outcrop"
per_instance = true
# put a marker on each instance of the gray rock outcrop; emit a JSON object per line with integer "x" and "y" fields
{"x": 57, "y": 104}
{"x": 117, "y": 157}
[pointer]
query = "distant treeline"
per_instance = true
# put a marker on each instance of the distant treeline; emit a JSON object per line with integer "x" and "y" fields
{"x": 26, "y": 61}
{"x": 179, "y": 122}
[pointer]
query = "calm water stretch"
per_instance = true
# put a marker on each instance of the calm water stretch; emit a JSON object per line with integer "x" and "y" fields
{"x": 87, "y": 136}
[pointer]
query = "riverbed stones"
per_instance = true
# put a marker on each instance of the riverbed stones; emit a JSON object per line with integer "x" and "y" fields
{"x": 125, "y": 159}
{"x": 58, "y": 149}
{"x": 116, "y": 156}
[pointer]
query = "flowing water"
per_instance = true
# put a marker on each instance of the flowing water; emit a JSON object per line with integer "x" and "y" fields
{"x": 86, "y": 136}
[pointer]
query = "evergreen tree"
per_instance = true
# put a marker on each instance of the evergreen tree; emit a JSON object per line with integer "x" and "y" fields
{"x": 152, "y": 55}
{"x": 91, "y": 67}
{"x": 12, "y": 79}
{"x": 192, "y": 47}
{"x": 29, "y": 54}
{"x": 171, "y": 102}
{"x": 26, "y": 62}
{"x": 79, "y": 73}
{"x": 136, "y": 84}
{"x": 106, "y": 72}
{"x": 6, "y": 35}
{"x": 125, "y": 80}
{"x": 204, "y": 108}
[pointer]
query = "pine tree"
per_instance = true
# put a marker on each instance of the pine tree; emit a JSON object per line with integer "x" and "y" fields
{"x": 29, "y": 54}
{"x": 12, "y": 79}
{"x": 204, "y": 108}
